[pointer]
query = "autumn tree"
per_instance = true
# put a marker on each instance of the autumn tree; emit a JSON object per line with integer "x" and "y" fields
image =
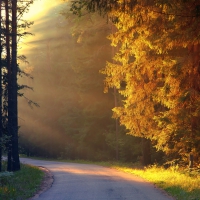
{"x": 155, "y": 55}
{"x": 158, "y": 61}
{"x": 180, "y": 89}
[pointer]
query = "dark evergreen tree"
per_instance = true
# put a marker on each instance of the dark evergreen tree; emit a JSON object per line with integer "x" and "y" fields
{"x": 10, "y": 31}
{"x": 14, "y": 86}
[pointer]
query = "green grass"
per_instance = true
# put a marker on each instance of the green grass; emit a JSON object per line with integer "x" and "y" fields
{"x": 179, "y": 183}
{"x": 20, "y": 185}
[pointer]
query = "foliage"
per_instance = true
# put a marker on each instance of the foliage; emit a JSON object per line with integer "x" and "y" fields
{"x": 158, "y": 62}
{"x": 101, "y": 6}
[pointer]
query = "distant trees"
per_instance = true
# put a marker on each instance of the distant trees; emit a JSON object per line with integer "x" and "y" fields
{"x": 81, "y": 112}
{"x": 75, "y": 118}
{"x": 91, "y": 50}
{"x": 117, "y": 139}
{"x": 11, "y": 26}
{"x": 158, "y": 60}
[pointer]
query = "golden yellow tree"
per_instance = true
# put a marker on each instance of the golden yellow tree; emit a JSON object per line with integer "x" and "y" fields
{"x": 158, "y": 60}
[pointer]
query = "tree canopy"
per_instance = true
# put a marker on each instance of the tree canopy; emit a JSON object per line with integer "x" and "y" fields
{"x": 158, "y": 63}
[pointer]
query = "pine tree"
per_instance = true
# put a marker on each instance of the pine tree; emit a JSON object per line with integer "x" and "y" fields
{"x": 9, "y": 120}
{"x": 14, "y": 72}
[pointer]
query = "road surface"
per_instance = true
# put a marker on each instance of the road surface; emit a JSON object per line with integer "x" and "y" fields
{"x": 74, "y": 181}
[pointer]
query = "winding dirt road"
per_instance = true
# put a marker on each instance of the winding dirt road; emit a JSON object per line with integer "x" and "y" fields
{"x": 74, "y": 181}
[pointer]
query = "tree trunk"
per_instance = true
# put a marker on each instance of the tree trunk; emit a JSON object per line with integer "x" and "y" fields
{"x": 9, "y": 88}
{"x": 1, "y": 125}
{"x": 116, "y": 127}
{"x": 191, "y": 160}
{"x": 146, "y": 151}
{"x": 14, "y": 69}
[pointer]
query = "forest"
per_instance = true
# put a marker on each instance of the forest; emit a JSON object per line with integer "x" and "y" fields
{"x": 102, "y": 80}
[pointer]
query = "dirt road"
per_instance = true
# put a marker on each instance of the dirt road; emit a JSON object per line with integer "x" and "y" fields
{"x": 74, "y": 181}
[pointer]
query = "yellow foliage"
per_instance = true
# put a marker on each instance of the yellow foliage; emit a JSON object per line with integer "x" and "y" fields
{"x": 158, "y": 59}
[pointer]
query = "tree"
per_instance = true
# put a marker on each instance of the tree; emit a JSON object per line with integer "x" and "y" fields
{"x": 9, "y": 111}
{"x": 158, "y": 60}
{"x": 14, "y": 71}
{"x": 161, "y": 96}
{"x": 180, "y": 90}
{"x": 102, "y": 6}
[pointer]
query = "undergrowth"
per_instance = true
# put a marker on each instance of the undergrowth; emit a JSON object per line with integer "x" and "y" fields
{"x": 20, "y": 185}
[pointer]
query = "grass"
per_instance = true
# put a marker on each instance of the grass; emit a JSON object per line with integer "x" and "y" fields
{"x": 20, "y": 185}
{"x": 179, "y": 183}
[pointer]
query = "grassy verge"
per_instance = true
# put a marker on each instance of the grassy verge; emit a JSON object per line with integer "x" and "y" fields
{"x": 20, "y": 185}
{"x": 181, "y": 184}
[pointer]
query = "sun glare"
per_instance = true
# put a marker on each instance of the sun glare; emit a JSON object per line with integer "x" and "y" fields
{"x": 38, "y": 13}
{"x": 39, "y": 8}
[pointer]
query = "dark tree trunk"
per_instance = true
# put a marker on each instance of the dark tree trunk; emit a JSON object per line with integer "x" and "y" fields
{"x": 14, "y": 69}
{"x": 9, "y": 87}
{"x": 1, "y": 125}
{"x": 191, "y": 160}
{"x": 116, "y": 127}
{"x": 146, "y": 151}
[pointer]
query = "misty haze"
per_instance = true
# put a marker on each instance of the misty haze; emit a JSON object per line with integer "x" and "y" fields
{"x": 74, "y": 117}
